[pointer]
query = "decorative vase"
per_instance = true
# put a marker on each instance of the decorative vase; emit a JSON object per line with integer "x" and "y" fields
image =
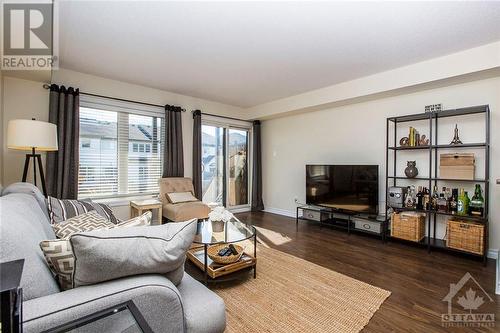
{"x": 218, "y": 226}
{"x": 411, "y": 170}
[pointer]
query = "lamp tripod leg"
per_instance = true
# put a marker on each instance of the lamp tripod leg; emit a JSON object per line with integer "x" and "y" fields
{"x": 42, "y": 176}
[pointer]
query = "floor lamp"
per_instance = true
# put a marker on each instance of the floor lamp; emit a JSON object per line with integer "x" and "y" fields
{"x": 34, "y": 136}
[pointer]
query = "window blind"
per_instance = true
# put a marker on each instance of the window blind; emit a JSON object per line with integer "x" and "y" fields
{"x": 121, "y": 152}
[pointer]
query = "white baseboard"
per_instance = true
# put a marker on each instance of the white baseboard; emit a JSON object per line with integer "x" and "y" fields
{"x": 240, "y": 210}
{"x": 492, "y": 253}
{"x": 279, "y": 211}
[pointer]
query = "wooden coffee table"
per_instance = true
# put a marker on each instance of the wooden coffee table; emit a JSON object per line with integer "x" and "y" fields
{"x": 233, "y": 231}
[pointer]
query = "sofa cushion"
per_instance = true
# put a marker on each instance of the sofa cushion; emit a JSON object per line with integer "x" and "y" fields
{"x": 130, "y": 251}
{"x": 102, "y": 255}
{"x": 62, "y": 209}
{"x": 84, "y": 222}
{"x": 30, "y": 189}
{"x": 22, "y": 226}
{"x": 186, "y": 210}
{"x": 204, "y": 311}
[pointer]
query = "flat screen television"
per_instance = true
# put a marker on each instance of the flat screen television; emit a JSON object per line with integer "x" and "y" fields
{"x": 347, "y": 188}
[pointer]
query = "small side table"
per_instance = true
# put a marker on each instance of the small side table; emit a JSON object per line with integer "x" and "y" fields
{"x": 137, "y": 208}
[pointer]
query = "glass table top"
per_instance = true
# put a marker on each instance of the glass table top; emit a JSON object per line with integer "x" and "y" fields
{"x": 213, "y": 232}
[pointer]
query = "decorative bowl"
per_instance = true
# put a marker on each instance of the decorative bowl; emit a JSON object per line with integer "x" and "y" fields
{"x": 213, "y": 253}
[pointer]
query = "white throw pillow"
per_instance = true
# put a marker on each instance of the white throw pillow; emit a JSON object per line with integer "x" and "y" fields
{"x": 178, "y": 197}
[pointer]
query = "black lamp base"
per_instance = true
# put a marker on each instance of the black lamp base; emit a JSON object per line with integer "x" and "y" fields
{"x": 37, "y": 158}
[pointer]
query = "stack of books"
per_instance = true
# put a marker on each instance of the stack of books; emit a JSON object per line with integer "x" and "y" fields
{"x": 413, "y": 137}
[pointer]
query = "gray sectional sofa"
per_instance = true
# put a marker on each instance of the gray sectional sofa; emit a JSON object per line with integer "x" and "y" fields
{"x": 187, "y": 307}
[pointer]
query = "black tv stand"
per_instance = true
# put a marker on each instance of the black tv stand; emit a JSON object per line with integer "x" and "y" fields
{"x": 348, "y": 221}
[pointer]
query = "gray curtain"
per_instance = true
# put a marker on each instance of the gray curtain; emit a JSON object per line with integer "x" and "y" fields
{"x": 197, "y": 154}
{"x": 62, "y": 165}
{"x": 173, "y": 155}
{"x": 257, "y": 203}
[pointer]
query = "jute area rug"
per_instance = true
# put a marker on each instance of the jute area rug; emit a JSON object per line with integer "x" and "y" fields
{"x": 293, "y": 295}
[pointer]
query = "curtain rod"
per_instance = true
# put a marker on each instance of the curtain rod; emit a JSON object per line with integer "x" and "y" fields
{"x": 47, "y": 86}
{"x": 225, "y": 117}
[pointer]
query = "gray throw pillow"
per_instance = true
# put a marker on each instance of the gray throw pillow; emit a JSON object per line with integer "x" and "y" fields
{"x": 110, "y": 254}
{"x": 62, "y": 209}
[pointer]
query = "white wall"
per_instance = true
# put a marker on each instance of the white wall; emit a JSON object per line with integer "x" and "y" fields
{"x": 22, "y": 99}
{"x": 26, "y": 99}
{"x": 355, "y": 134}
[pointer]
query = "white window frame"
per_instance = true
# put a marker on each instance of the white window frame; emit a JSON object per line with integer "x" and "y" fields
{"x": 109, "y": 104}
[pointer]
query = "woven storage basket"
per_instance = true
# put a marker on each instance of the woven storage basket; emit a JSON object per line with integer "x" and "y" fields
{"x": 465, "y": 236}
{"x": 408, "y": 226}
{"x": 213, "y": 250}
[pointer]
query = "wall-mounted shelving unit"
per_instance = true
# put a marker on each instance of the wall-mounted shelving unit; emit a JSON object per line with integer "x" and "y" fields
{"x": 431, "y": 241}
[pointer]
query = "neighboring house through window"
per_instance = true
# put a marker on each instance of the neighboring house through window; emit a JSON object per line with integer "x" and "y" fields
{"x": 121, "y": 148}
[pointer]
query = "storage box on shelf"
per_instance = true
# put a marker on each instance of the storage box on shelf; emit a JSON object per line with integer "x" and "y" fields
{"x": 408, "y": 226}
{"x": 457, "y": 166}
{"x": 465, "y": 236}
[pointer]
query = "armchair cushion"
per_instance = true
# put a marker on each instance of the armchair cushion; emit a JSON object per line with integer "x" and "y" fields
{"x": 178, "y": 197}
{"x": 185, "y": 210}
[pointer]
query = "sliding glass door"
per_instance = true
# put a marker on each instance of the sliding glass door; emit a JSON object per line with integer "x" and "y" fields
{"x": 238, "y": 167}
{"x": 212, "y": 163}
{"x": 225, "y": 171}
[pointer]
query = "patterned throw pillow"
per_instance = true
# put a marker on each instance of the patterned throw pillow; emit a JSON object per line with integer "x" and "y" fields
{"x": 62, "y": 209}
{"x": 84, "y": 222}
{"x": 61, "y": 260}
{"x": 144, "y": 219}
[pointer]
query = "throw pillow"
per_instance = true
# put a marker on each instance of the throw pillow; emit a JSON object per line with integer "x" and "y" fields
{"x": 59, "y": 256}
{"x": 144, "y": 219}
{"x": 178, "y": 197}
{"x": 83, "y": 222}
{"x": 110, "y": 254}
{"x": 62, "y": 209}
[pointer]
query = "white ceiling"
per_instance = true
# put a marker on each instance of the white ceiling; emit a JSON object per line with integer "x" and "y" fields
{"x": 248, "y": 53}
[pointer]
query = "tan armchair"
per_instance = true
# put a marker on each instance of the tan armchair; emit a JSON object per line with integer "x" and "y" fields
{"x": 180, "y": 211}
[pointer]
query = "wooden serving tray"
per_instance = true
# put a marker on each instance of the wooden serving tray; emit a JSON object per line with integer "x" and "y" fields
{"x": 215, "y": 270}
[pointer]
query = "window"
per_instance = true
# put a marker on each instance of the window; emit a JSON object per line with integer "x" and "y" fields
{"x": 123, "y": 152}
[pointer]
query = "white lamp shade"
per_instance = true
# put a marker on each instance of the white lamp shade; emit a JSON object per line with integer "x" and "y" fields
{"x": 23, "y": 134}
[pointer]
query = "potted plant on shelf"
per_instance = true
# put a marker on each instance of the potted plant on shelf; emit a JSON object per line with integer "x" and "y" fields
{"x": 219, "y": 216}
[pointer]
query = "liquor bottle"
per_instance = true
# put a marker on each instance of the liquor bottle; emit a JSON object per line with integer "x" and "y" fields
{"x": 434, "y": 198}
{"x": 453, "y": 201}
{"x": 442, "y": 203}
{"x": 410, "y": 202}
{"x": 427, "y": 199}
{"x": 477, "y": 202}
{"x": 420, "y": 198}
{"x": 462, "y": 203}
{"x": 467, "y": 203}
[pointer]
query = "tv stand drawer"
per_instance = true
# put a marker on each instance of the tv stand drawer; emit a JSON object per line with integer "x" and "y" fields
{"x": 314, "y": 215}
{"x": 366, "y": 225}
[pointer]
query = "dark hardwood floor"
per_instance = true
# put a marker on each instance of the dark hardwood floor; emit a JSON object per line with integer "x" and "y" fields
{"x": 418, "y": 280}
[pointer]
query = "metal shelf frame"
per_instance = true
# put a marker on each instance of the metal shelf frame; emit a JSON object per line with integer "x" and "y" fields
{"x": 433, "y": 148}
